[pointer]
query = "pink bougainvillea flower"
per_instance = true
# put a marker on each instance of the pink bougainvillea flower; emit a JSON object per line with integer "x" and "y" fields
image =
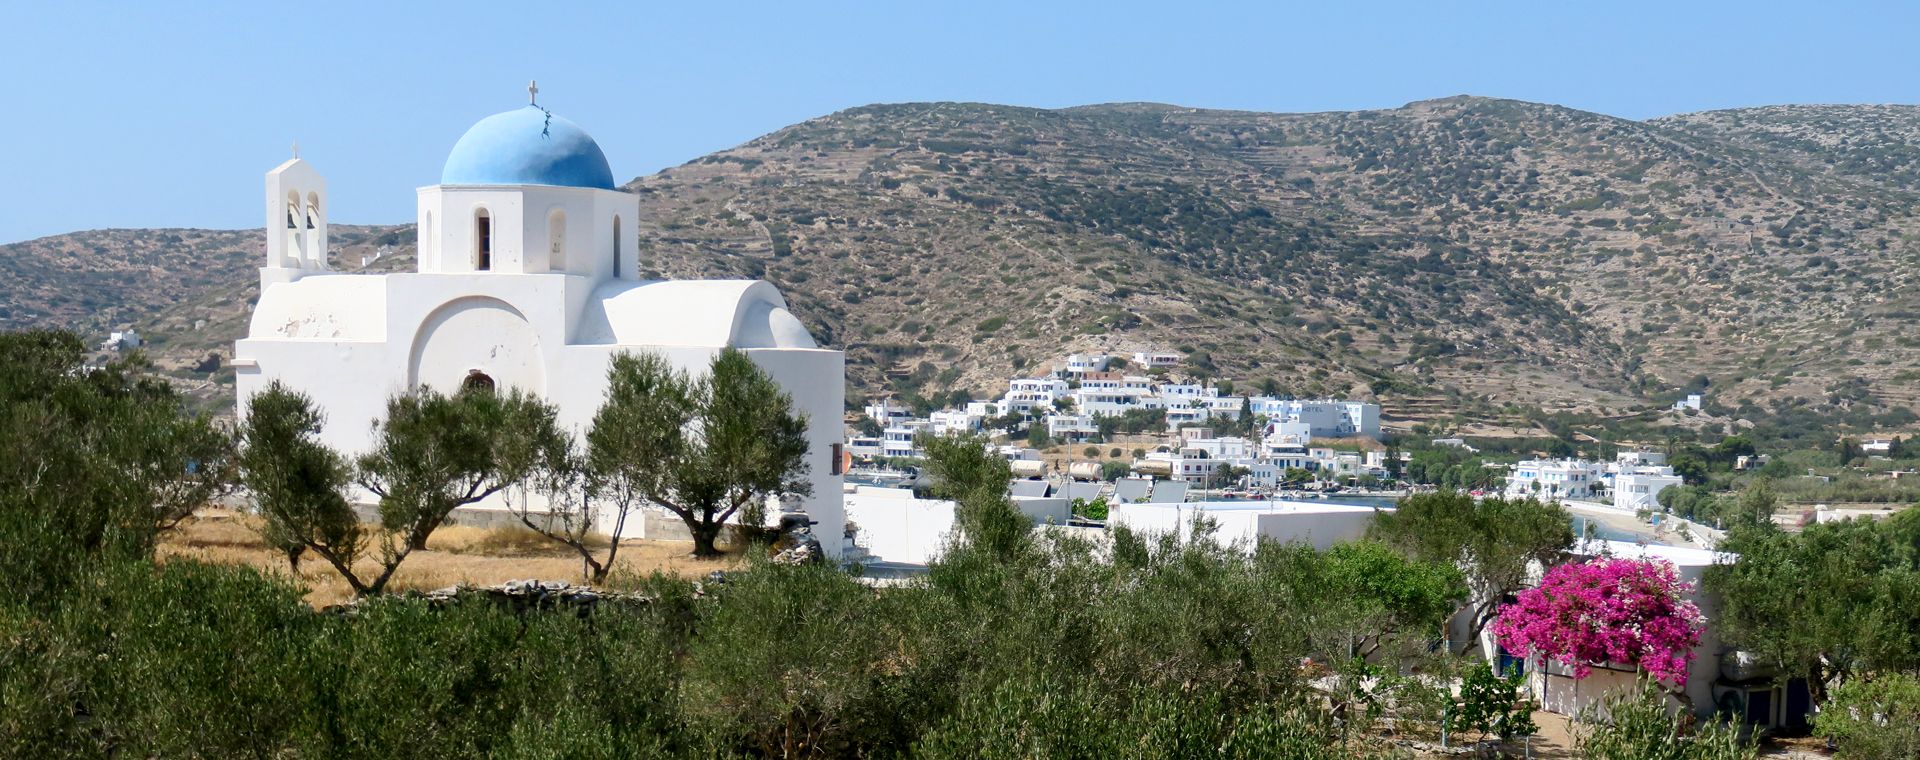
{"x": 1633, "y": 612}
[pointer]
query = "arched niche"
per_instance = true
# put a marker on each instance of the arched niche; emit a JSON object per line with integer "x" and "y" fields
{"x": 477, "y": 334}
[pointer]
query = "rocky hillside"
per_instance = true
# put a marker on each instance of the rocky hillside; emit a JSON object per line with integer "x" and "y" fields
{"x": 1870, "y": 145}
{"x": 1464, "y": 248}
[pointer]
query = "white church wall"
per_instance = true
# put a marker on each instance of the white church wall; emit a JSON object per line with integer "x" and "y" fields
{"x": 503, "y": 305}
{"x": 615, "y": 211}
{"x": 348, "y": 381}
{"x": 521, "y": 236}
{"x": 817, "y": 380}
{"x": 351, "y": 342}
{"x": 455, "y": 210}
{"x": 309, "y": 307}
{"x": 478, "y": 336}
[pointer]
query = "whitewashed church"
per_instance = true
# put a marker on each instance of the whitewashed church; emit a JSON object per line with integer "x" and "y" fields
{"x": 528, "y": 278}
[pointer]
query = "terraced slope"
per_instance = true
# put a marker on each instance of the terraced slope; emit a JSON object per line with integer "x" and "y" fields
{"x": 1464, "y": 252}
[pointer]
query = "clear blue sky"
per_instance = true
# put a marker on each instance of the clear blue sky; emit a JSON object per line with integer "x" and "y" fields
{"x": 138, "y": 115}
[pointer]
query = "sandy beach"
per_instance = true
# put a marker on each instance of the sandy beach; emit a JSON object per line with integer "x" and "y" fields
{"x": 1613, "y": 519}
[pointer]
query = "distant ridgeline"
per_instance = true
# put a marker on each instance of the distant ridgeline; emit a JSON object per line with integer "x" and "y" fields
{"x": 1448, "y": 256}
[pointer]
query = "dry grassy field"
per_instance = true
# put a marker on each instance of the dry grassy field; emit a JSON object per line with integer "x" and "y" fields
{"x": 454, "y": 555}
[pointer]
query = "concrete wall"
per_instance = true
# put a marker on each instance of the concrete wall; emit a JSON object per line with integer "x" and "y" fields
{"x": 652, "y": 524}
{"x": 896, "y": 527}
{"x": 1318, "y": 525}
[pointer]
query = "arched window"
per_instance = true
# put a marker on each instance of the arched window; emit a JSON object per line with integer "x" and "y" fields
{"x": 296, "y": 248}
{"x": 482, "y": 241}
{"x": 476, "y": 381}
{"x": 557, "y": 241}
{"x": 313, "y": 210}
{"x": 616, "y": 248}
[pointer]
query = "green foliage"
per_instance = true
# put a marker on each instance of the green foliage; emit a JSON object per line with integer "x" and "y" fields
{"x": 1381, "y": 593}
{"x": 1492, "y": 704}
{"x": 1831, "y": 602}
{"x": 1037, "y": 434}
{"x": 1639, "y": 725}
{"x": 705, "y": 449}
{"x": 98, "y": 461}
{"x": 1092, "y": 510}
{"x": 1226, "y": 475}
{"x": 1130, "y": 422}
{"x": 1037, "y": 714}
{"x": 1451, "y": 467}
{"x": 435, "y": 453}
{"x": 298, "y": 484}
{"x": 790, "y": 659}
{"x": 1690, "y": 467}
{"x": 1494, "y": 538}
{"x": 194, "y": 660}
{"x": 1873, "y": 718}
{"x": 1164, "y": 648}
{"x": 966, "y": 470}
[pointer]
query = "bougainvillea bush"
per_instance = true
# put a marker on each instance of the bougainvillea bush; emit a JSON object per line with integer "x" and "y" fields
{"x": 1628, "y": 611}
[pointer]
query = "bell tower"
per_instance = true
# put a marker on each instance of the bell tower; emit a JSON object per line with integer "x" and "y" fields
{"x": 296, "y": 222}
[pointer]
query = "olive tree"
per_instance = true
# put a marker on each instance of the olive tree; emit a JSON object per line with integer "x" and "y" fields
{"x": 100, "y": 460}
{"x": 298, "y": 484}
{"x": 1873, "y": 718}
{"x": 435, "y": 453}
{"x": 1828, "y": 603}
{"x": 966, "y": 470}
{"x": 706, "y": 449}
{"x": 1493, "y": 540}
{"x": 589, "y": 493}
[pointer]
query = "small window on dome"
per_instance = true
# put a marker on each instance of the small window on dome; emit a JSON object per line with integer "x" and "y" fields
{"x": 557, "y": 241}
{"x": 482, "y": 241}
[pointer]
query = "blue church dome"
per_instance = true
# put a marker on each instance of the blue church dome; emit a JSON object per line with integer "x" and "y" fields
{"x": 527, "y": 146}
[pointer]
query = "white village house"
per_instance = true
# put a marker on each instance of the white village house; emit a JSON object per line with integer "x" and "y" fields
{"x": 1638, "y": 477}
{"x": 528, "y": 278}
{"x": 1554, "y": 479}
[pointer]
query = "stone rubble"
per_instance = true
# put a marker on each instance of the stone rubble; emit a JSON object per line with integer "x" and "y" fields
{"x": 517, "y": 595}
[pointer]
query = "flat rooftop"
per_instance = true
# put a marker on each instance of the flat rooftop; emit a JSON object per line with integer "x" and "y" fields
{"x": 1680, "y": 556}
{"x": 1276, "y": 505}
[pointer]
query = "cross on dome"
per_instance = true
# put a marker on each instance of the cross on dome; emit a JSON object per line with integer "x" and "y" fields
{"x": 533, "y": 92}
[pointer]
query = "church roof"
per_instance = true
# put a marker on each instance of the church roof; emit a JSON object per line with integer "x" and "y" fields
{"x": 527, "y": 146}
{"x": 738, "y": 313}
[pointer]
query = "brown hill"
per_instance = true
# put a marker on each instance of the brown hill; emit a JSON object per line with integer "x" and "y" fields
{"x": 1466, "y": 249}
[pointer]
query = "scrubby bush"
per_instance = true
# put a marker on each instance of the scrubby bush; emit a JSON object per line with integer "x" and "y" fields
{"x": 1640, "y": 725}
{"x": 1873, "y": 718}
